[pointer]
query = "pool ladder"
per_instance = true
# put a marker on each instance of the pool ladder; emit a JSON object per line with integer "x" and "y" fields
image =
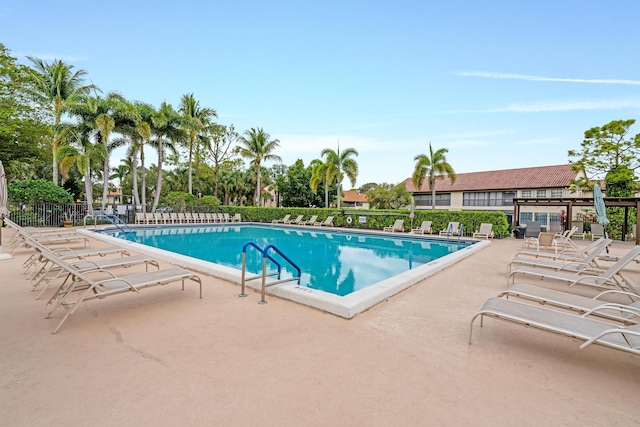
{"x": 112, "y": 219}
{"x": 265, "y": 256}
{"x": 450, "y": 231}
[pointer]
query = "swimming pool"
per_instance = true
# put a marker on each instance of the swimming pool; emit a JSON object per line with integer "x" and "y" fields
{"x": 343, "y": 271}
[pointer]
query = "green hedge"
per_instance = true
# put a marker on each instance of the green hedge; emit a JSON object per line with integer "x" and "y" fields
{"x": 378, "y": 219}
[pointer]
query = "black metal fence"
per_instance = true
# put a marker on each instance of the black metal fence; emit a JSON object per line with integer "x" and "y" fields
{"x": 56, "y": 214}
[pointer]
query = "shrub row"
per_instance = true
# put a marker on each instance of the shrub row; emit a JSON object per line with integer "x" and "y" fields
{"x": 378, "y": 219}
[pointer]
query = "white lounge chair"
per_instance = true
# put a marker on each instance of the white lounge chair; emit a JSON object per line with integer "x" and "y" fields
{"x": 310, "y": 221}
{"x": 451, "y": 230}
{"x": 283, "y": 220}
{"x": 49, "y": 276}
{"x": 328, "y": 222}
{"x": 628, "y": 313}
{"x": 589, "y": 330}
{"x": 86, "y": 287}
{"x": 610, "y": 278}
{"x": 425, "y": 228}
{"x": 485, "y": 231}
{"x": 546, "y": 240}
{"x": 564, "y": 240}
{"x": 397, "y": 226}
{"x": 597, "y": 231}
{"x": 295, "y": 221}
{"x": 584, "y": 264}
{"x": 237, "y": 218}
{"x": 565, "y": 254}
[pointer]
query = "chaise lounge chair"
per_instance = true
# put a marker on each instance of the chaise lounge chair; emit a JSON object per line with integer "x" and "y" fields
{"x": 85, "y": 287}
{"x": 451, "y": 230}
{"x": 425, "y": 228}
{"x": 310, "y": 221}
{"x": 597, "y": 231}
{"x": 485, "y": 231}
{"x": 584, "y": 264}
{"x": 283, "y": 220}
{"x": 328, "y": 222}
{"x": 608, "y": 279}
{"x": 546, "y": 240}
{"x": 589, "y": 330}
{"x": 565, "y": 254}
{"x": 625, "y": 313}
{"x": 397, "y": 226}
{"x": 295, "y": 221}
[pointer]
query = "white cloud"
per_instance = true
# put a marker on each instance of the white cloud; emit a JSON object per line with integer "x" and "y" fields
{"x": 547, "y": 106}
{"x": 546, "y": 79}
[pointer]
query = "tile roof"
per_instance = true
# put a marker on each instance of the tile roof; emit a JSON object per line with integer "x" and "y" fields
{"x": 352, "y": 196}
{"x": 509, "y": 179}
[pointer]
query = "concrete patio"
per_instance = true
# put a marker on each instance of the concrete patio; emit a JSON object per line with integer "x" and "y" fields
{"x": 166, "y": 358}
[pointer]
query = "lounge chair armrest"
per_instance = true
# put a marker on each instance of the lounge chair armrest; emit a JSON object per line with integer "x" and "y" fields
{"x": 121, "y": 279}
{"x": 631, "y": 295}
{"x": 608, "y": 332}
{"x": 633, "y": 311}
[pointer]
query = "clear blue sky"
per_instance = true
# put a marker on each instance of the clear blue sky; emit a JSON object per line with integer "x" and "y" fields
{"x": 501, "y": 84}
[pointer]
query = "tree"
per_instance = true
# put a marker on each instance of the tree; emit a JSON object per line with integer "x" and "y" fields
{"x": 319, "y": 177}
{"x": 257, "y": 145}
{"x": 166, "y": 124}
{"x": 339, "y": 165}
{"x": 434, "y": 166}
{"x": 388, "y": 196}
{"x": 196, "y": 119}
{"x": 82, "y": 154}
{"x": 23, "y": 129}
{"x": 296, "y": 191}
{"x": 58, "y": 84}
{"x": 223, "y": 139}
{"x": 608, "y": 151}
{"x": 97, "y": 117}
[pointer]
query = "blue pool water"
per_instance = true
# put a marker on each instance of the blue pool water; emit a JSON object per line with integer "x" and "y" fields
{"x": 338, "y": 262}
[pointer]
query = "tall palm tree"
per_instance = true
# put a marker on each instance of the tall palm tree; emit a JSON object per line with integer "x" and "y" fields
{"x": 58, "y": 84}
{"x": 435, "y": 166}
{"x": 166, "y": 124}
{"x": 83, "y": 155}
{"x": 340, "y": 164}
{"x": 257, "y": 145}
{"x": 319, "y": 176}
{"x": 196, "y": 119}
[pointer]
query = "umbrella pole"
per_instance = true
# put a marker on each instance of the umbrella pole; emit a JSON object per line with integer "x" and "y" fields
{"x": 3, "y": 256}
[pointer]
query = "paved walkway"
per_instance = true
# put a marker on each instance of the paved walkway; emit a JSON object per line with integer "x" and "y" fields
{"x": 166, "y": 358}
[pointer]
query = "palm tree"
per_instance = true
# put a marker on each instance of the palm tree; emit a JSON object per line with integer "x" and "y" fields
{"x": 435, "y": 166}
{"x": 166, "y": 127}
{"x": 319, "y": 176}
{"x": 58, "y": 84}
{"x": 82, "y": 156}
{"x": 120, "y": 172}
{"x": 258, "y": 146}
{"x": 196, "y": 119}
{"x": 340, "y": 164}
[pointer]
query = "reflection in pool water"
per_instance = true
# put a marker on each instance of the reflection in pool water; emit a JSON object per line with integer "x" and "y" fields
{"x": 338, "y": 262}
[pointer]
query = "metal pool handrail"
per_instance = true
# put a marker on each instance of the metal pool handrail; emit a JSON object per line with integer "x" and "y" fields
{"x": 264, "y": 275}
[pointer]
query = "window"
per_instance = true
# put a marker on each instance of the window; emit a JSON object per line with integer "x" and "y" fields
{"x": 541, "y": 194}
{"x": 488, "y": 198}
{"x": 556, "y": 193}
{"x": 442, "y": 199}
{"x": 526, "y": 193}
{"x": 525, "y": 217}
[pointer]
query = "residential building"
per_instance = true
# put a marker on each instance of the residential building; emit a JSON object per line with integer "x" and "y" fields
{"x": 353, "y": 199}
{"x": 495, "y": 191}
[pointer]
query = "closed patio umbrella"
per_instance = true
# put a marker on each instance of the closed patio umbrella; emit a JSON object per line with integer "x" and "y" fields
{"x": 601, "y": 210}
{"x": 598, "y": 202}
{"x": 4, "y": 212}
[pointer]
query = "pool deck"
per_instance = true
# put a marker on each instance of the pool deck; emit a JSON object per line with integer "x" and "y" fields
{"x": 166, "y": 358}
